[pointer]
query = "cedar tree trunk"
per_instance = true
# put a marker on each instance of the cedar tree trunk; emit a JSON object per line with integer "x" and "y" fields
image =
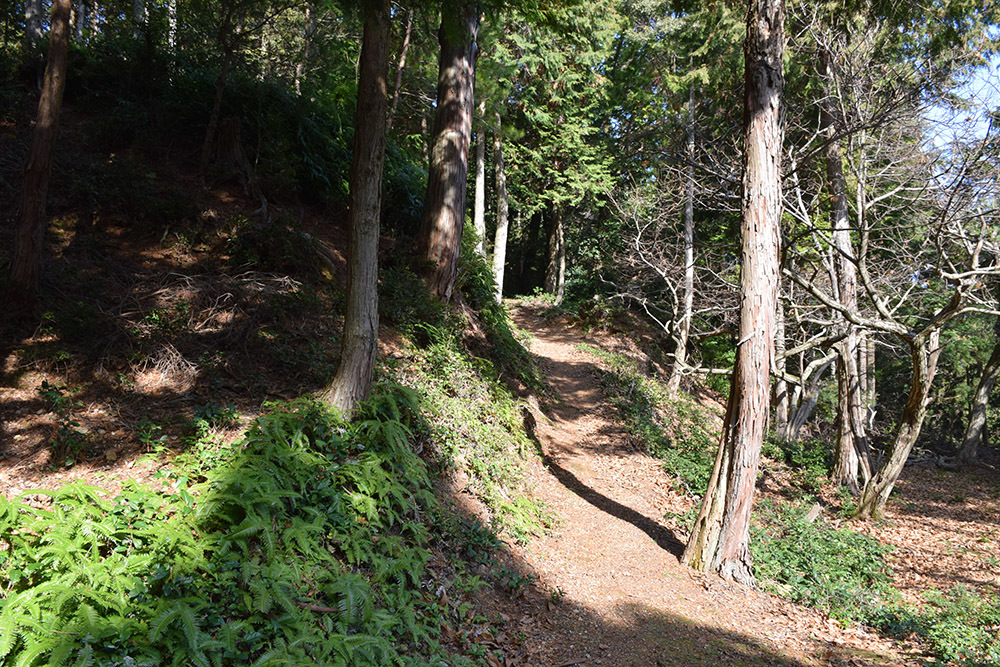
{"x": 440, "y": 239}
{"x": 720, "y": 539}
{"x": 25, "y": 269}
{"x": 353, "y": 380}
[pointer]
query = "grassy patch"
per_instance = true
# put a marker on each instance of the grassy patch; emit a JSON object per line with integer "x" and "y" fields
{"x": 307, "y": 542}
{"x": 676, "y": 430}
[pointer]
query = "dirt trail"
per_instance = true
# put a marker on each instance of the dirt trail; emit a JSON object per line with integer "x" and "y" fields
{"x": 619, "y": 595}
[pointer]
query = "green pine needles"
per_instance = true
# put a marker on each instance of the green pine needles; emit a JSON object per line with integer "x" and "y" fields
{"x": 305, "y": 543}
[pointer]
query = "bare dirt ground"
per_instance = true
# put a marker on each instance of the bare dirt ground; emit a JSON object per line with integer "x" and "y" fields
{"x": 616, "y": 591}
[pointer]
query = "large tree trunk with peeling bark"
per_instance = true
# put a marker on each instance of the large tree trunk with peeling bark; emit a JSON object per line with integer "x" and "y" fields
{"x": 500, "y": 239}
{"x": 30, "y": 233}
{"x": 555, "y": 268}
{"x": 440, "y": 238}
{"x": 720, "y": 538}
{"x": 479, "y": 210}
{"x": 878, "y": 488}
{"x": 353, "y": 380}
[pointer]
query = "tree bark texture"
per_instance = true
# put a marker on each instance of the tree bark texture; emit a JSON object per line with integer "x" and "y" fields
{"x": 479, "y": 210}
{"x": 30, "y": 233}
{"x": 440, "y": 239}
{"x": 353, "y": 380}
{"x": 720, "y": 538}
{"x": 555, "y": 268}
{"x": 500, "y": 239}
{"x": 877, "y": 490}
{"x": 683, "y": 328}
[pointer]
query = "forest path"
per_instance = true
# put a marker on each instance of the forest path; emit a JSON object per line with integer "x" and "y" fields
{"x": 619, "y": 595}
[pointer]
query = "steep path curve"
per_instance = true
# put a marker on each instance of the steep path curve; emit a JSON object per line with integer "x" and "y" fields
{"x": 617, "y": 592}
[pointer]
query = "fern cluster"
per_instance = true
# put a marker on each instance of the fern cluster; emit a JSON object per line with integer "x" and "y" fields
{"x": 307, "y": 543}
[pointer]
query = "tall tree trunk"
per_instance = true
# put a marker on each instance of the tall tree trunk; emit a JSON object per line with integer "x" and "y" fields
{"x": 479, "y": 210}
{"x": 720, "y": 538}
{"x": 33, "y": 22}
{"x": 683, "y": 328}
{"x": 500, "y": 240}
{"x": 878, "y": 488}
{"x": 440, "y": 239}
{"x": 399, "y": 68}
{"x": 974, "y": 433}
{"x": 851, "y": 454}
{"x": 353, "y": 380}
{"x": 30, "y": 233}
{"x": 213, "y": 119}
{"x": 309, "y": 29}
{"x": 555, "y": 268}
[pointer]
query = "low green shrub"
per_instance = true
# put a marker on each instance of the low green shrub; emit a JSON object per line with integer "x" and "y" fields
{"x": 837, "y": 570}
{"x": 675, "y": 430}
{"x": 304, "y": 543}
{"x": 960, "y": 627}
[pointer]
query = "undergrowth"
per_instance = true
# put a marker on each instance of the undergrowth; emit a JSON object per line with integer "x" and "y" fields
{"x": 473, "y": 421}
{"x": 676, "y": 430}
{"x": 307, "y": 542}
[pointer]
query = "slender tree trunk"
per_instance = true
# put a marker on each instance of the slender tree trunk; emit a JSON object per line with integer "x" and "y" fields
{"x": 399, "y": 68}
{"x": 683, "y": 328}
{"x": 877, "y": 490}
{"x": 213, "y": 119}
{"x": 79, "y": 20}
{"x": 974, "y": 433}
{"x": 807, "y": 402}
{"x": 353, "y": 380}
{"x": 780, "y": 385}
{"x": 307, "y": 36}
{"x": 30, "y": 233}
{"x": 720, "y": 538}
{"x": 851, "y": 455}
{"x": 479, "y": 211}
{"x": 33, "y": 22}
{"x": 440, "y": 239}
{"x": 139, "y": 16}
{"x": 172, "y": 31}
{"x": 500, "y": 240}
{"x": 555, "y": 271}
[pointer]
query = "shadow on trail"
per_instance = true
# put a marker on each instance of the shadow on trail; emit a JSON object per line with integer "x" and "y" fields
{"x": 663, "y": 536}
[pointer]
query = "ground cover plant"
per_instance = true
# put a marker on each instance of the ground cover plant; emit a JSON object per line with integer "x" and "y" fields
{"x": 306, "y": 541}
{"x": 674, "y": 429}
